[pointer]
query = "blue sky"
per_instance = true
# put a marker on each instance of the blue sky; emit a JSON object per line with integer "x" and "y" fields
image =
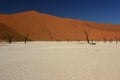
{"x": 104, "y": 11}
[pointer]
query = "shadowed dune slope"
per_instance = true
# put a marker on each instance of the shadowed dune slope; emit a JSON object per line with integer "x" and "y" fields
{"x": 43, "y": 27}
{"x": 6, "y": 31}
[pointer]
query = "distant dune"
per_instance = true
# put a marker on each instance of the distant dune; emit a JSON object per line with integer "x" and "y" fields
{"x": 43, "y": 27}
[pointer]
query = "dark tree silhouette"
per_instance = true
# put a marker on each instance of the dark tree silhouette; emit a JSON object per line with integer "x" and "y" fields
{"x": 117, "y": 39}
{"x": 87, "y": 38}
{"x": 104, "y": 39}
{"x": 10, "y": 38}
{"x": 26, "y": 38}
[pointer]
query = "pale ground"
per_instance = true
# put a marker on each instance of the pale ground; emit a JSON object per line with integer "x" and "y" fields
{"x": 59, "y": 61}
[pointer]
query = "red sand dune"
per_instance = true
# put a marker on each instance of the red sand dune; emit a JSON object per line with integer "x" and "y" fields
{"x": 43, "y": 27}
{"x": 6, "y": 32}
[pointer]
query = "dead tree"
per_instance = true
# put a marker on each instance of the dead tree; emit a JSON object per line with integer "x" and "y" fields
{"x": 87, "y": 38}
{"x": 117, "y": 39}
{"x": 26, "y": 38}
{"x": 104, "y": 39}
{"x": 10, "y": 38}
{"x": 110, "y": 40}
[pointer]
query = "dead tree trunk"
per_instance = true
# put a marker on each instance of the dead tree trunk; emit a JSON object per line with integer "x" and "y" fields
{"x": 26, "y": 38}
{"x": 10, "y": 38}
{"x": 87, "y": 38}
{"x": 104, "y": 39}
{"x": 116, "y": 40}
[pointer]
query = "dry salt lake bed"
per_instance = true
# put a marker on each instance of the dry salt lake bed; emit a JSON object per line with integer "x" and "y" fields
{"x": 59, "y": 61}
